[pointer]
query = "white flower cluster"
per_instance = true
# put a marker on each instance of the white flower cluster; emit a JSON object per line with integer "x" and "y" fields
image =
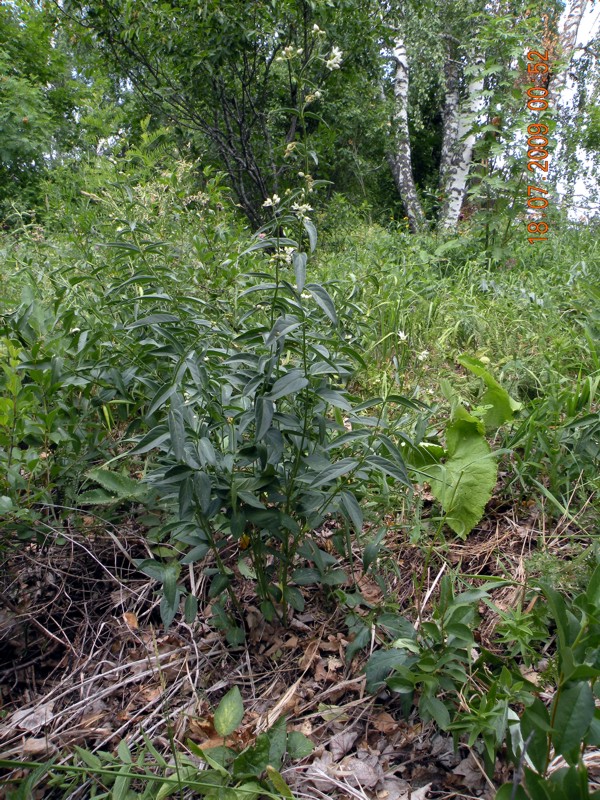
{"x": 301, "y": 210}
{"x": 310, "y": 98}
{"x": 271, "y": 202}
{"x": 201, "y": 198}
{"x": 289, "y": 52}
{"x": 335, "y": 59}
{"x": 284, "y": 254}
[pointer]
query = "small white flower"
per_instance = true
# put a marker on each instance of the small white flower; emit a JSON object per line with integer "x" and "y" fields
{"x": 272, "y": 201}
{"x": 402, "y": 336}
{"x": 335, "y": 59}
{"x": 423, "y": 355}
{"x": 318, "y": 95}
{"x": 316, "y": 28}
{"x": 301, "y": 209}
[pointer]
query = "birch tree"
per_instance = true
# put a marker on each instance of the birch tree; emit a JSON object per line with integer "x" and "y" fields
{"x": 399, "y": 156}
{"x": 465, "y": 44}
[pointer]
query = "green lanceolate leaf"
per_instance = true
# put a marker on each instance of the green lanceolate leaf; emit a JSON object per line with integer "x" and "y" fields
{"x": 122, "y": 486}
{"x": 299, "y": 260}
{"x": 190, "y": 608}
{"x": 323, "y": 299}
{"x": 264, "y": 410}
{"x": 351, "y": 508}
{"x": 229, "y": 713}
{"x": 290, "y": 383}
{"x": 279, "y": 783}
{"x": 310, "y": 229}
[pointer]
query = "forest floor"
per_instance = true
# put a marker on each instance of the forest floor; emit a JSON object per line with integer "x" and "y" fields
{"x": 99, "y": 668}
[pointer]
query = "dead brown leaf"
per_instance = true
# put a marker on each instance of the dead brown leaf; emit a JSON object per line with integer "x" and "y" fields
{"x": 384, "y": 722}
{"x": 131, "y": 620}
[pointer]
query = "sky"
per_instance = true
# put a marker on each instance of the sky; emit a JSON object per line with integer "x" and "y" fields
{"x": 583, "y": 204}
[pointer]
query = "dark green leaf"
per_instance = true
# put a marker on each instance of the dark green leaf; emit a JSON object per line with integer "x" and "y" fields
{"x": 290, "y": 383}
{"x": 323, "y": 300}
{"x": 191, "y": 608}
{"x": 352, "y": 510}
{"x": 572, "y": 719}
{"x": 436, "y": 710}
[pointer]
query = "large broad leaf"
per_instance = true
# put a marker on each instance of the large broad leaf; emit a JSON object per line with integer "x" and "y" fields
{"x": 502, "y": 406}
{"x": 573, "y": 714}
{"x": 229, "y": 713}
{"x": 464, "y": 483}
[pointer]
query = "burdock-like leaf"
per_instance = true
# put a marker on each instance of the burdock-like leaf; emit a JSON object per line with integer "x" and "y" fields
{"x": 502, "y": 407}
{"x": 464, "y": 483}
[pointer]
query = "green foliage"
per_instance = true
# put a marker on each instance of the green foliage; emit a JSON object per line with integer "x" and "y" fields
{"x": 500, "y": 406}
{"x": 463, "y": 484}
{"x": 50, "y": 417}
{"x": 38, "y": 100}
{"x": 251, "y": 437}
{"x": 145, "y": 774}
{"x": 437, "y": 661}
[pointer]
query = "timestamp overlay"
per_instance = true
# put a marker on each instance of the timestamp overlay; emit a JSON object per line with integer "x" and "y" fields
{"x": 537, "y": 146}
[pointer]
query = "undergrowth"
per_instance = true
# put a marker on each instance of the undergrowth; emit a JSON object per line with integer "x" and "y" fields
{"x": 237, "y": 392}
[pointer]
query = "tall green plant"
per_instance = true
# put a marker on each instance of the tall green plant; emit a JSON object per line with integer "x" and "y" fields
{"x": 261, "y": 441}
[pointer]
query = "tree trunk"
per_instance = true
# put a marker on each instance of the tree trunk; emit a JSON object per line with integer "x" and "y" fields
{"x": 450, "y": 118}
{"x": 568, "y": 41}
{"x": 557, "y": 84}
{"x": 399, "y": 158}
{"x": 458, "y": 142}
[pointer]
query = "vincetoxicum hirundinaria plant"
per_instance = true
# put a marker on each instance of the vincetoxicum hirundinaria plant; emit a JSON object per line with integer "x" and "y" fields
{"x": 261, "y": 442}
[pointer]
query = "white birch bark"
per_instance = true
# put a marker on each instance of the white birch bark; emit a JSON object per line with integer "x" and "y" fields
{"x": 399, "y": 158}
{"x": 568, "y": 42}
{"x": 450, "y": 118}
{"x": 459, "y": 118}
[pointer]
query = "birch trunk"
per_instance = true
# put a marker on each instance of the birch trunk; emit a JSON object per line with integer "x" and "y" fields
{"x": 557, "y": 85}
{"x": 568, "y": 41}
{"x": 459, "y": 139}
{"x": 399, "y": 158}
{"x": 450, "y": 117}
